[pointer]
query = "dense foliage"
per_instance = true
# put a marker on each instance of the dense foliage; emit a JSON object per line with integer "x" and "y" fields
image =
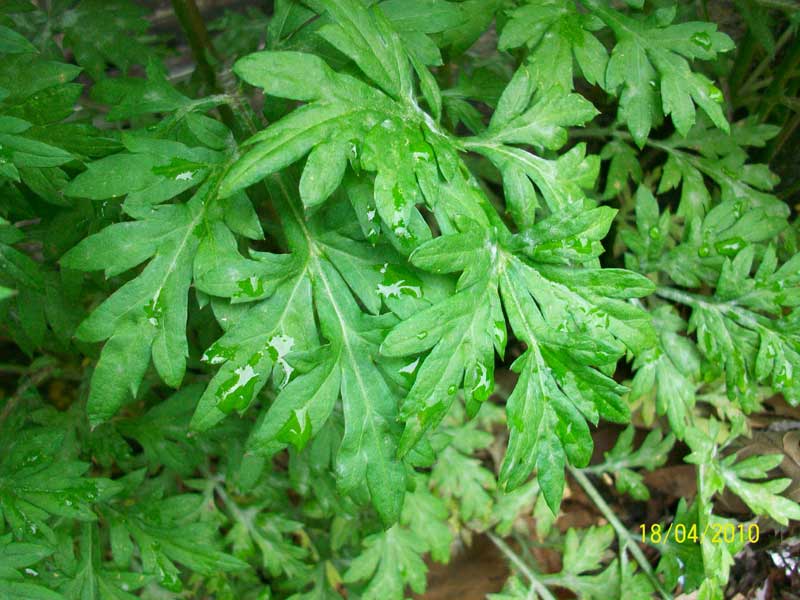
{"x": 258, "y": 313}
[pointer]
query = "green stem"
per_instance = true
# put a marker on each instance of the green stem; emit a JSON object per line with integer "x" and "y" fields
{"x": 200, "y": 44}
{"x": 199, "y": 41}
{"x": 765, "y": 62}
{"x": 520, "y": 565}
{"x": 680, "y": 151}
{"x": 788, "y": 193}
{"x": 740, "y": 315}
{"x": 240, "y": 121}
{"x": 622, "y": 532}
{"x": 237, "y": 115}
{"x": 783, "y": 137}
{"x": 743, "y": 62}
{"x": 789, "y": 6}
{"x": 33, "y": 381}
{"x": 595, "y": 132}
{"x": 783, "y": 73}
{"x": 609, "y": 467}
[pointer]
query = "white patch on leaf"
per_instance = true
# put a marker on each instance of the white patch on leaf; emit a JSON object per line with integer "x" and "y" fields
{"x": 244, "y": 374}
{"x": 153, "y": 309}
{"x": 216, "y": 359}
{"x": 483, "y": 378}
{"x": 411, "y": 367}
{"x": 282, "y": 345}
{"x": 393, "y": 290}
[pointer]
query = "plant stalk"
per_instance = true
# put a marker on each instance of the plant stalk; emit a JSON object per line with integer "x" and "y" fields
{"x": 783, "y": 73}
{"x": 622, "y": 532}
{"x": 757, "y": 72}
{"x": 32, "y": 381}
{"x": 529, "y": 574}
{"x": 241, "y": 121}
{"x": 200, "y": 44}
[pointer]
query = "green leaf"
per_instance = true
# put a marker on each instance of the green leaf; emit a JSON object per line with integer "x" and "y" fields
{"x": 743, "y": 330}
{"x": 134, "y": 96}
{"x": 368, "y": 39}
{"x": 622, "y": 459}
{"x": 162, "y": 432}
{"x": 16, "y": 556}
{"x": 427, "y": 16}
{"x": 461, "y": 348}
{"x": 366, "y": 458}
{"x": 17, "y": 269}
{"x": 548, "y": 409}
{"x": 763, "y": 497}
{"x": 104, "y": 33}
{"x": 260, "y": 533}
{"x": 648, "y": 55}
{"x": 20, "y": 152}
{"x": 513, "y": 589}
{"x": 480, "y": 14}
{"x": 292, "y": 75}
{"x": 426, "y": 517}
{"x": 32, "y": 591}
{"x": 341, "y": 108}
{"x": 742, "y": 477}
{"x": 248, "y": 359}
{"x": 391, "y": 561}
{"x": 543, "y": 123}
{"x": 673, "y": 368}
{"x": 12, "y": 42}
{"x": 148, "y": 313}
{"x": 38, "y": 482}
{"x": 514, "y": 506}
{"x": 556, "y": 32}
{"x": 458, "y": 476}
{"x": 86, "y": 576}
{"x": 562, "y": 181}
{"x": 299, "y": 411}
{"x": 167, "y": 531}
{"x": 152, "y": 172}
{"x": 367, "y": 451}
{"x": 583, "y": 551}
{"x": 119, "y": 372}
{"x": 722, "y": 159}
{"x": 5, "y": 293}
{"x": 684, "y": 560}
{"x": 23, "y": 75}
{"x": 323, "y": 173}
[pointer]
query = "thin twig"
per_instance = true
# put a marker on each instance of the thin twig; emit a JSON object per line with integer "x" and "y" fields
{"x": 529, "y": 574}
{"x": 765, "y": 62}
{"x": 788, "y": 130}
{"x": 237, "y": 115}
{"x": 31, "y": 382}
{"x": 625, "y": 536}
{"x": 788, "y": 6}
{"x": 788, "y": 193}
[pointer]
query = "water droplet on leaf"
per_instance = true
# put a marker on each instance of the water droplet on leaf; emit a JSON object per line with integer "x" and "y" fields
{"x": 702, "y": 39}
{"x": 731, "y": 246}
{"x": 716, "y": 94}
